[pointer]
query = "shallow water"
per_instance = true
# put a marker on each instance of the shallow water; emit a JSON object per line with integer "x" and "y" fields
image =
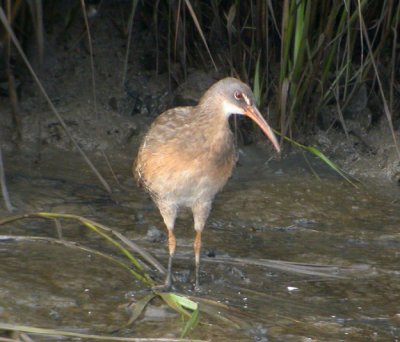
{"x": 268, "y": 212}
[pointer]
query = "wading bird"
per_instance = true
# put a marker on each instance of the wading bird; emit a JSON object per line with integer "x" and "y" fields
{"x": 188, "y": 155}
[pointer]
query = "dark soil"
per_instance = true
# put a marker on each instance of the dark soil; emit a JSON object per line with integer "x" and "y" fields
{"x": 114, "y": 120}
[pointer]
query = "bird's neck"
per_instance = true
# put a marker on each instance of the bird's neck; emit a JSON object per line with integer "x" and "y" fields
{"x": 211, "y": 116}
{"x": 214, "y": 125}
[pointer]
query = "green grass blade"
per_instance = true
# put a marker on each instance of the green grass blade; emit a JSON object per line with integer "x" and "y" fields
{"x": 184, "y": 301}
{"x": 298, "y": 35}
{"x": 257, "y": 88}
{"x": 321, "y": 156}
{"x": 203, "y": 38}
{"x": 171, "y": 300}
{"x": 182, "y": 304}
{"x": 330, "y": 163}
{"x": 139, "y": 306}
{"x": 55, "y": 332}
{"x": 141, "y": 275}
{"x": 191, "y": 323}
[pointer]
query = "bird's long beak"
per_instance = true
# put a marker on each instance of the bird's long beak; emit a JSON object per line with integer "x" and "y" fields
{"x": 253, "y": 113}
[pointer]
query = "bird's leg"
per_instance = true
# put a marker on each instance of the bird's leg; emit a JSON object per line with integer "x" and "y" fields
{"x": 197, "y": 248}
{"x": 201, "y": 210}
{"x": 168, "y": 212}
{"x": 171, "y": 249}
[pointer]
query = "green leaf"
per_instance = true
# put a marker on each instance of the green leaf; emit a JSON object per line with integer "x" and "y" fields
{"x": 257, "y": 91}
{"x": 181, "y": 304}
{"x": 184, "y": 301}
{"x": 191, "y": 323}
{"x": 321, "y": 156}
{"x": 139, "y": 307}
{"x": 170, "y": 299}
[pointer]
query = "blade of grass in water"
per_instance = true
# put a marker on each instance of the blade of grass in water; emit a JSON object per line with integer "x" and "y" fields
{"x": 182, "y": 304}
{"x": 172, "y": 300}
{"x": 139, "y": 306}
{"x": 139, "y": 272}
{"x": 93, "y": 226}
{"x": 55, "y": 332}
{"x": 321, "y": 156}
{"x": 179, "y": 303}
{"x": 71, "y": 244}
{"x": 191, "y": 323}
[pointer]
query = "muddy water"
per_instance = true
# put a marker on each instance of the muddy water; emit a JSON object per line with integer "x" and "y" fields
{"x": 342, "y": 246}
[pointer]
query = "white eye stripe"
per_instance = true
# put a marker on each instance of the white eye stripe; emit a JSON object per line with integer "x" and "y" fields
{"x": 246, "y": 99}
{"x": 230, "y": 108}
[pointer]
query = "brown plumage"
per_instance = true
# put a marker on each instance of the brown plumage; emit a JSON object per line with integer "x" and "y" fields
{"x": 188, "y": 155}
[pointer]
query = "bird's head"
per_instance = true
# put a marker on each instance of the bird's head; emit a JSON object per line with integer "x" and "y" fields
{"x": 235, "y": 97}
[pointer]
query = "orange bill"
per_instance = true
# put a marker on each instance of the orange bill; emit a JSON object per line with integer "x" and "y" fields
{"x": 253, "y": 113}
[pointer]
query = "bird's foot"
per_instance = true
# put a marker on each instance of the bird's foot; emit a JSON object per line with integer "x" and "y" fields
{"x": 162, "y": 288}
{"x": 197, "y": 287}
{"x": 166, "y": 287}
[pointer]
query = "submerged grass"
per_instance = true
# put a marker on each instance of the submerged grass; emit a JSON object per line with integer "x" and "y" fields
{"x": 182, "y": 304}
{"x": 137, "y": 269}
{"x": 61, "y": 333}
{"x": 323, "y": 157}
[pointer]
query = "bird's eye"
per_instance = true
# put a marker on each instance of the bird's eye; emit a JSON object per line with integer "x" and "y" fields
{"x": 238, "y": 95}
